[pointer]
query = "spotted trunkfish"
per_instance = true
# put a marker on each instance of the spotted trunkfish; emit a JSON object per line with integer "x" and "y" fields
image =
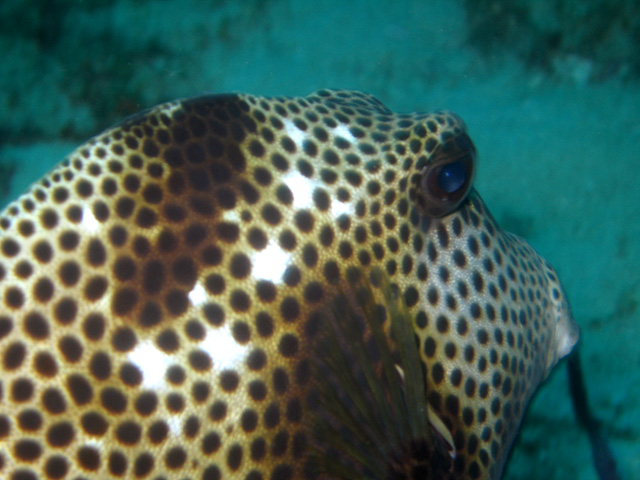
{"x": 240, "y": 287}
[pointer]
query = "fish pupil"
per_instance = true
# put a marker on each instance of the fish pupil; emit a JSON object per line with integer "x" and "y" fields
{"x": 452, "y": 176}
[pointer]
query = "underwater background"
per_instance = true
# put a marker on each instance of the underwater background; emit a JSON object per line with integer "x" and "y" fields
{"x": 549, "y": 90}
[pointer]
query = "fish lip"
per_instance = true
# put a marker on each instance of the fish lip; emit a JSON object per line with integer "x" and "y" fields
{"x": 566, "y": 333}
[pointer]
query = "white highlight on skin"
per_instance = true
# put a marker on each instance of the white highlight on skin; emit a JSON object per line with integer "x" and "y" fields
{"x": 220, "y": 345}
{"x": 89, "y": 222}
{"x": 270, "y": 263}
{"x": 198, "y": 295}
{"x": 301, "y": 187}
{"x": 231, "y": 215}
{"x": 342, "y": 131}
{"x": 294, "y": 132}
{"x": 152, "y": 362}
{"x": 339, "y": 208}
{"x": 175, "y": 425}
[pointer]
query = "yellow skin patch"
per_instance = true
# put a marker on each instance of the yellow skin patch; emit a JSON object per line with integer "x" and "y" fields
{"x": 161, "y": 289}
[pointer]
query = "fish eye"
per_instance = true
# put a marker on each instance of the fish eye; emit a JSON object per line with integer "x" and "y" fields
{"x": 452, "y": 176}
{"x": 447, "y": 179}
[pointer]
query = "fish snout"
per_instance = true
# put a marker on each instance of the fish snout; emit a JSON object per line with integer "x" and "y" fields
{"x": 564, "y": 329}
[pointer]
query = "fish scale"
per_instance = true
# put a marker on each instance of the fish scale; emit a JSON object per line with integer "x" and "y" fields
{"x": 164, "y": 287}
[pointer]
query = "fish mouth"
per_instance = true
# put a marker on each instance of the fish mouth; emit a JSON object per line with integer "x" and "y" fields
{"x": 566, "y": 333}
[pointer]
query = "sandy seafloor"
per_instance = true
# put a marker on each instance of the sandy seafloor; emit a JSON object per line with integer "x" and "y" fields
{"x": 559, "y": 161}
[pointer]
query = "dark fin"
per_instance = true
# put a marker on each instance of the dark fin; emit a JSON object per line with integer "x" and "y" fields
{"x": 369, "y": 422}
{"x": 603, "y": 458}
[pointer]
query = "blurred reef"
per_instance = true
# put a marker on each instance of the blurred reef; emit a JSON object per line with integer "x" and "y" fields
{"x": 103, "y": 60}
{"x": 581, "y": 41}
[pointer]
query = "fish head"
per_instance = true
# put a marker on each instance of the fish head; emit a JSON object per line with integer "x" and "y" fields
{"x": 162, "y": 289}
{"x": 489, "y": 314}
{"x": 492, "y": 320}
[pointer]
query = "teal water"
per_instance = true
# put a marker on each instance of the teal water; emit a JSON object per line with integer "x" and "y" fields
{"x": 549, "y": 91}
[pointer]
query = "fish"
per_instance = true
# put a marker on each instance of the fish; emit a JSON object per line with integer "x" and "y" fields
{"x": 233, "y": 286}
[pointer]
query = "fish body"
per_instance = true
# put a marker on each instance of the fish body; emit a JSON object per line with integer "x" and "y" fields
{"x": 162, "y": 291}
